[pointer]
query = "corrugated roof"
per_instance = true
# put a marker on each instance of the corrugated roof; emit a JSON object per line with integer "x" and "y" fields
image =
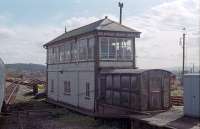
{"x": 101, "y": 25}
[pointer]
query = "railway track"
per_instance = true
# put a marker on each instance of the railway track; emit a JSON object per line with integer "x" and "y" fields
{"x": 11, "y": 93}
{"x": 29, "y": 83}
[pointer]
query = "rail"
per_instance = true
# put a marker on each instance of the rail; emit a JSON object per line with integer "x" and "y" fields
{"x": 11, "y": 93}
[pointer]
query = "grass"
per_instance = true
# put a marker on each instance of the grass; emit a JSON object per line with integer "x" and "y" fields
{"x": 47, "y": 116}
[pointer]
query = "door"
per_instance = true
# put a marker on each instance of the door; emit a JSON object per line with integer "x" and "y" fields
{"x": 155, "y": 100}
{"x": 195, "y": 96}
{"x": 166, "y": 91}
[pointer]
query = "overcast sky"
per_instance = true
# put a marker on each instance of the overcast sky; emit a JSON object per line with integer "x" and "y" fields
{"x": 25, "y": 25}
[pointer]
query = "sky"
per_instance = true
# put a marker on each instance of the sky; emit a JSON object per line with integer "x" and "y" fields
{"x": 25, "y": 25}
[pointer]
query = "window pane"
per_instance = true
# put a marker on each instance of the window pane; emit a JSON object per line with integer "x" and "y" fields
{"x": 127, "y": 49}
{"x": 104, "y": 48}
{"x": 82, "y": 49}
{"x": 91, "y": 48}
{"x": 67, "y": 51}
{"x": 74, "y": 51}
{"x": 57, "y": 55}
{"x": 112, "y": 48}
{"x": 53, "y": 55}
{"x": 61, "y": 54}
{"x": 50, "y": 56}
{"x": 119, "y": 49}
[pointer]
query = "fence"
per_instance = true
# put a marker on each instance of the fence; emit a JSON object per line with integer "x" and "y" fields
{"x": 177, "y": 100}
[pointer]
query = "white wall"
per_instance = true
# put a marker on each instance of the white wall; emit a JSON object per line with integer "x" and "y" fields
{"x": 83, "y": 101}
{"x": 78, "y": 75}
{"x": 52, "y": 76}
{"x": 192, "y": 95}
{"x": 73, "y": 97}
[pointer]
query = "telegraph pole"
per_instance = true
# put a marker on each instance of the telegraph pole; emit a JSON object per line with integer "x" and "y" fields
{"x": 65, "y": 29}
{"x": 182, "y": 43}
{"x": 120, "y": 17}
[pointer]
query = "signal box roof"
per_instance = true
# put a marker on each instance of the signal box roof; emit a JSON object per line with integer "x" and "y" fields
{"x": 100, "y": 25}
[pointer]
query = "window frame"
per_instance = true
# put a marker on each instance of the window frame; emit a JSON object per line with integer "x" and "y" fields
{"x": 68, "y": 52}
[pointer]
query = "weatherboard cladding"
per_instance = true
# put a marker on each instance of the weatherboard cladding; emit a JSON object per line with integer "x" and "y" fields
{"x": 100, "y": 25}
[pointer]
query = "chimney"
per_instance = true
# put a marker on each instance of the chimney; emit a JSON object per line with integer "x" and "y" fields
{"x": 120, "y": 6}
